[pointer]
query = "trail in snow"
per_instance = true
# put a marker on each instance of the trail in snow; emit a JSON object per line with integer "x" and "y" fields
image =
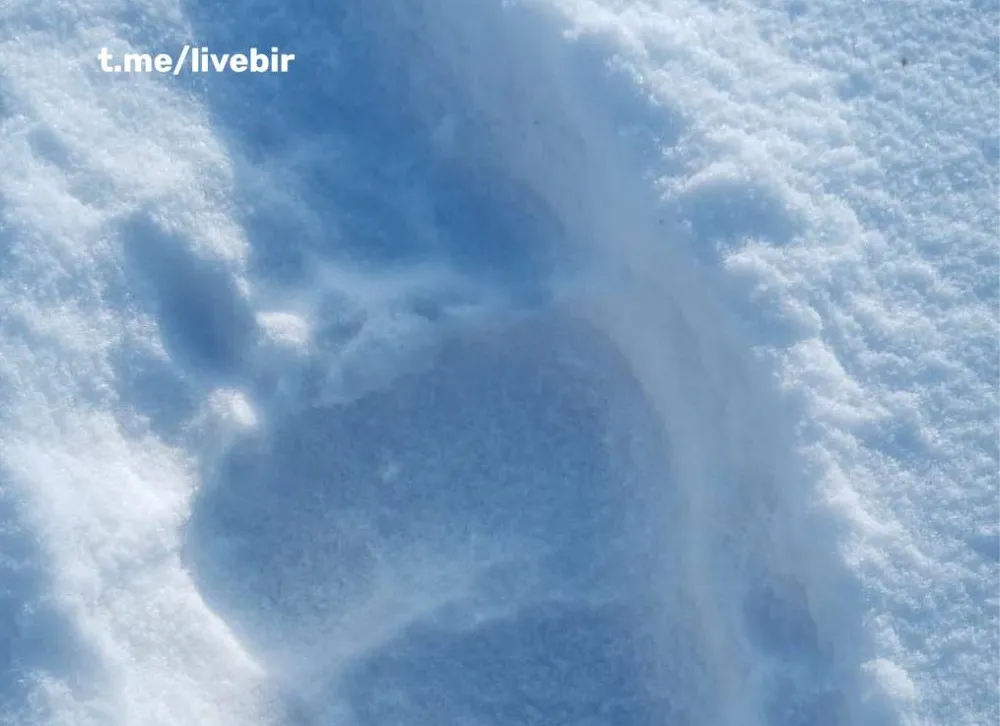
{"x": 506, "y": 363}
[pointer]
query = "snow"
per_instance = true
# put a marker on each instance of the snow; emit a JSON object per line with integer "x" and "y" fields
{"x": 527, "y": 362}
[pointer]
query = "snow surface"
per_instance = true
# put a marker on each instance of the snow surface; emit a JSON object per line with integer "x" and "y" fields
{"x": 542, "y": 362}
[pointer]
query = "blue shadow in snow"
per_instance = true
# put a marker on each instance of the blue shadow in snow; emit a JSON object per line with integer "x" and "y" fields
{"x": 503, "y": 441}
{"x": 6, "y": 236}
{"x": 497, "y": 443}
{"x": 549, "y": 665}
{"x": 205, "y": 322}
{"x": 336, "y": 165}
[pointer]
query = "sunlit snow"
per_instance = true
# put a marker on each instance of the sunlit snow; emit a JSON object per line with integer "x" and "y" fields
{"x": 539, "y": 362}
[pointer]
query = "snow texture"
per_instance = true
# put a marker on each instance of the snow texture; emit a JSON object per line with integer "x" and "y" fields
{"x": 540, "y": 362}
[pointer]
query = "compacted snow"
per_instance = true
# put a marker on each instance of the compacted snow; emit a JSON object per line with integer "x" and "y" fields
{"x": 552, "y": 362}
